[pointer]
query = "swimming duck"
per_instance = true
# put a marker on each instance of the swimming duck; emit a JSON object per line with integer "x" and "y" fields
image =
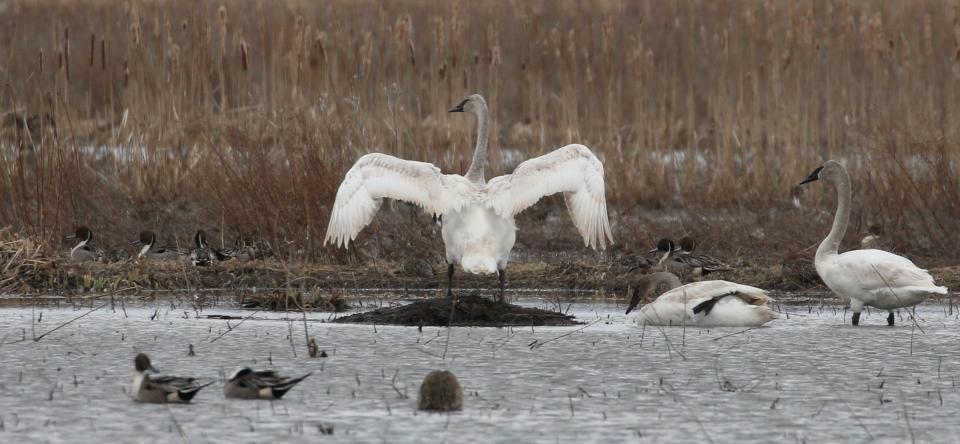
{"x": 700, "y": 304}
{"x": 164, "y": 388}
{"x": 267, "y": 384}
{"x": 86, "y": 250}
{"x": 150, "y": 249}
{"x": 679, "y": 259}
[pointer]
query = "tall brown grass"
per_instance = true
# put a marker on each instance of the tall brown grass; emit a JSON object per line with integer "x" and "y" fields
{"x": 243, "y": 116}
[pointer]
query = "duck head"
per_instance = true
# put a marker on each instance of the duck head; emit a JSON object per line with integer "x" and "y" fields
{"x": 142, "y": 363}
{"x": 83, "y": 233}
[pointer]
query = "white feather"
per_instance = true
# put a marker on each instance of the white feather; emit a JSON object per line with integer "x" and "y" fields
{"x": 745, "y": 307}
{"x": 478, "y": 218}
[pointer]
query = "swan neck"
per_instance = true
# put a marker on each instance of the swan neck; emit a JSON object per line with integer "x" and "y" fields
{"x": 476, "y": 172}
{"x": 831, "y": 244}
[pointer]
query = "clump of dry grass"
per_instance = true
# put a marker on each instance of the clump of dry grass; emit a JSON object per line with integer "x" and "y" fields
{"x": 196, "y": 116}
{"x": 22, "y": 261}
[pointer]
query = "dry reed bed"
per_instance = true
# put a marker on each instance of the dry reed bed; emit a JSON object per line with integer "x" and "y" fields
{"x": 241, "y": 119}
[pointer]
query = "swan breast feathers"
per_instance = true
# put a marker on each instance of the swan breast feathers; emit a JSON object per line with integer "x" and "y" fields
{"x": 573, "y": 170}
{"x": 376, "y": 176}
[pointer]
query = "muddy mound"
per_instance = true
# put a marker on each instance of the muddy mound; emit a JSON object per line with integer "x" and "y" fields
{"x": 472, "y": 311}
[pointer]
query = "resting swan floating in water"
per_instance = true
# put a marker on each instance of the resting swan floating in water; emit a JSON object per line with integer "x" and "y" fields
{"x": 865, "y": 277}
{"x": 478, "y": 216}
{"x": 700, "y": 304}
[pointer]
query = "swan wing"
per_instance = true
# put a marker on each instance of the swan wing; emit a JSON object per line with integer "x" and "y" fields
{"x": 573, "y": 170}
{"x": 377, "y": 176}
{"x": 872, "y": 270}
{"x": 696, "y": 292}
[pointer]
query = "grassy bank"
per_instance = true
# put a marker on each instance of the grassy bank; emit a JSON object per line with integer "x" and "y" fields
{"x": 242, "y": 119}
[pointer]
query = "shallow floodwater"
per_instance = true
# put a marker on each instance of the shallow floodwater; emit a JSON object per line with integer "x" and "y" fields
{"x": 808, "y": 376}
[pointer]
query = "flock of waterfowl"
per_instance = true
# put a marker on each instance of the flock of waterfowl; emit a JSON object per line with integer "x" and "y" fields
{"x": 201, "y": 255}
{"x": 479, "y": 231}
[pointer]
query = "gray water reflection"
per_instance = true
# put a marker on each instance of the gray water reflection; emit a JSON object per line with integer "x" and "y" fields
{"x": 809, "y": 377}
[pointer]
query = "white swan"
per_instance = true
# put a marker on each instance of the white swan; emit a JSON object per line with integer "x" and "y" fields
{"x": 478, "y": 216}
{"x": 865, "y": 277}
{"x": 700, "y": 304}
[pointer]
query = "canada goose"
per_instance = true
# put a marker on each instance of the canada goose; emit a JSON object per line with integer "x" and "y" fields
{"x": 700, "y": 304}
{"x": 86, "y": 250}
{"x": 266, "y": 384}
{"x": 865, "y": 277}
{"x": 478, "y": 225}
{"x": 151, "y": 250}
{"x": 164, "y": 388}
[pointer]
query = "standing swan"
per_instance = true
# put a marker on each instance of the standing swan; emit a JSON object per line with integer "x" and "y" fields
{"x": 700, "y": 304}
{"x": 865, "y": 277}
{"x": 478, "y": 216}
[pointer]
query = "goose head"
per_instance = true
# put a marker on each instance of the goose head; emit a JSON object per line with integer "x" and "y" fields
{"x": 472, "y": 104}
{"x": 142, "y": 363}
{"x": 831, "y": 171}
{"x": 652, "y": 285}
{"x": 83, "y": 233}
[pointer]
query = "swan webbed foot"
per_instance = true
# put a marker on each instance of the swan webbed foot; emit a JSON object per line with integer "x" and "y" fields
{"x": 450, "y": 281}
{"x": 502, "y": 274}
{"x": 856, "y": 318}
{"x": 890, "y": 319}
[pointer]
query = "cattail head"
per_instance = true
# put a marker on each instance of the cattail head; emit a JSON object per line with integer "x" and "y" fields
{"x": 135, "y": 33}
{"x": 320, "y": 42}
{"x": 244, "y": 55}
{"x": 222, "y": 16}
{"x": 174, "y": 60}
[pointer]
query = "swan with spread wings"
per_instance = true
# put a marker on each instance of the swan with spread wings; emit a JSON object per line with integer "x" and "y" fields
{"x": 478, "y": 216}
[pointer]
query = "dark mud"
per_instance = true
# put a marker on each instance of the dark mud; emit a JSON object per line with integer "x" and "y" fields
{"x": 466, "y": 311}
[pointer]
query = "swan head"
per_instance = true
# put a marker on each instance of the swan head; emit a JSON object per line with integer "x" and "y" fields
{"x": 651, "y": 285}
{"x": 472, "y": 104}
{"x": 830, "y": 171}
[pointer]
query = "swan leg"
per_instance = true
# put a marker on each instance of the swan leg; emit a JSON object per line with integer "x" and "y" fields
{"x": 503, "y": 278}
{"x": 856, "y": 306}
{"x": 890, "y": 318}
{"x": 450, "y": 281}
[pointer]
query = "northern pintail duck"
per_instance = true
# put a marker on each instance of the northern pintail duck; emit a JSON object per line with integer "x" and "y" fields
{"x": 162, "y": 389}
{"x": 266, "y": 384}
{"x": 151, "y": 250}
{"x": 700, "y": 264}
{"x": 202, "y": 254}
{"x": 243, "y": 251}
{"x": 86, "y": 250}
{"x": 680, "y": 259}
{"x": 700, "y": 304}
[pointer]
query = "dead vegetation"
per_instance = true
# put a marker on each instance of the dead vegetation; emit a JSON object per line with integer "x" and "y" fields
{"x": 241, "y": 119}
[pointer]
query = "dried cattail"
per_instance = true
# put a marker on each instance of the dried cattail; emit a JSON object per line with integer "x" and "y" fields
{"x": 135, "y": 25}
{"x": 439, "y": 33}
{"x": 93, "y": 48}
{"x": 174, "y": 60}
{"x": 366, "y": 53}
{"x": 244, "y": 55}
{"x": 41, "y": 61}
{"x": 66, "y": 53}
{"x": 126, "y": 73}
{"x": 927, "y": 35}
{"x": 103, "y": 55}
{"x": 321, "y": 44}
{"x": 222, "y": 16}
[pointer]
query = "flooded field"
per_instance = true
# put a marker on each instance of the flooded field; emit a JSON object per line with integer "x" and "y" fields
{"x": 808, "y": 376}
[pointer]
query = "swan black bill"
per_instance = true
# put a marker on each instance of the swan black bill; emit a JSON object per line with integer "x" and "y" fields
{"x": 815, "y": 175}
{"x": 458, "y": 108}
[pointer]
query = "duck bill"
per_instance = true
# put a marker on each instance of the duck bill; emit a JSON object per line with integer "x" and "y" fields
{"x": 814, "y": 176}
